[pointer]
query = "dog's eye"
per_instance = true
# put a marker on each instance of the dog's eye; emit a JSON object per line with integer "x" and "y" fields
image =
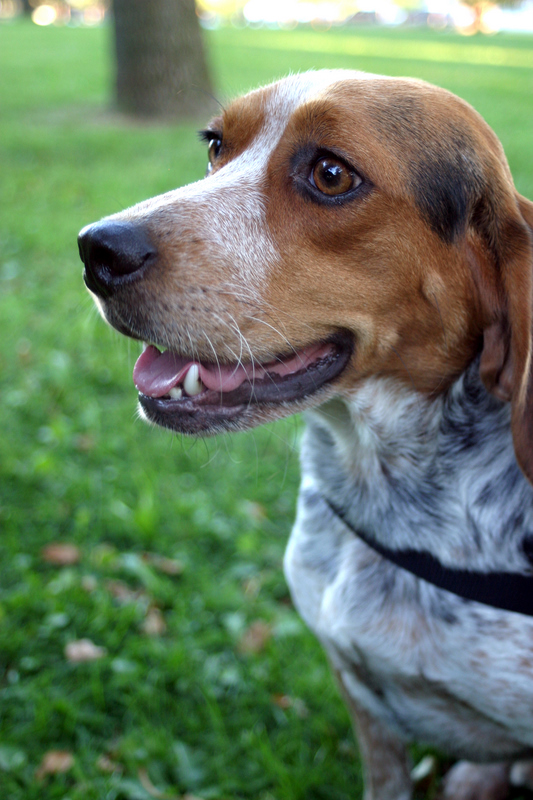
{"x": 333, "y": 177}
{"x": 213, "y": 152}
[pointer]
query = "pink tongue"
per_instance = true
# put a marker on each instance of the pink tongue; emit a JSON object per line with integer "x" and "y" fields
{"x": 156, "y": 373}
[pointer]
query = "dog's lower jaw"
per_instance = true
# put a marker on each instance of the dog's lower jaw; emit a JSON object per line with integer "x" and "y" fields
{"x": 204, "y": 421}
{"x": 186, "y": 417}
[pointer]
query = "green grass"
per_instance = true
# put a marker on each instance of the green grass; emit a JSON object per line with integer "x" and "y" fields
{"x": 191, "y": 710}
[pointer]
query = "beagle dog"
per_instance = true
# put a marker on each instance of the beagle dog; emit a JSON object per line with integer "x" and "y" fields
{"x": 357, "y": 251}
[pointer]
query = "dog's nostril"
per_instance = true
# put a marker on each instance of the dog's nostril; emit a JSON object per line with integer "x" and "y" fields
{"x": 112, "y": 251}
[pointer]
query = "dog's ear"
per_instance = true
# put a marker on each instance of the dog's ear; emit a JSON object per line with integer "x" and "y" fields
{"x": 507, "y": 301}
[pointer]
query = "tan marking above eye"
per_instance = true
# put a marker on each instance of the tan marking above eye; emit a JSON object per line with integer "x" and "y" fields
{"x": 333, "y": 177}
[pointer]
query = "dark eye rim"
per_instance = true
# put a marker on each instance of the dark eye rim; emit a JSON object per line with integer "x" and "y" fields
{"x": 213, "y": 153}
{"x": 217, "y": 141}
{"x": 210, "y": 137}
{"x": 303, "y": 165}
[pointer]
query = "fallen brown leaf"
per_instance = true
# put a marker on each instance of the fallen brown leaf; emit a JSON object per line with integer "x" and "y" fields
{"x": 154, "y": 624}
{"x": 282, "y": 701}
{"x": 85, "y": 443}
{"x": 83, "y": 650}
{"x": 170, "y": 566}
{"x": 152, "y": 790}
{"x": 24, "y": 351}
{"x": 61, "y": 554}
{"x": 106, "y": 764}
{"x": 125, "y": 594}
{"x": 285, "y": 702}
{"x": 255, "y": 637}
{"x": 252, "y": 586}
{"x": 89, "y": 583}
{"x": 255, "y": 511}
{"x": 54, "y": 762}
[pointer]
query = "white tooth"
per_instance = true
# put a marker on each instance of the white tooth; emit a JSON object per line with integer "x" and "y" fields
{"x": 192, "y": 383}
{"x": 176, "y": 393}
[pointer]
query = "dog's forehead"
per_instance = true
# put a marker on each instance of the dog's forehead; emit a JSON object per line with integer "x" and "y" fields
{"x": 347, "y": 104}
{"x": 265, "y": 112}
{"x": 285, "y": 96}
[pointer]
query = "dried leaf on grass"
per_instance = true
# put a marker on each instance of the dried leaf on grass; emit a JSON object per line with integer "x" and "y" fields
{"x": 286, "y": 702}
{"x": 255, "y": 511}
{"x": 61, "y": 554}
{"x": 106, "y": 764}
{"x": 54, "y": 762}
{"x": 152, "y": 790}
{"x": 89, "y": 583}
{"x": 252, "y": 586}
{"x": 282, "y": 701}
{"x": 170, "y": 566}
{"x": 154, "y": 623}
{"x": 255, "y": 638}
{"x": 83, "y": 650}
{"x": 85, "y": 443}
{"x": 124, "y": 593}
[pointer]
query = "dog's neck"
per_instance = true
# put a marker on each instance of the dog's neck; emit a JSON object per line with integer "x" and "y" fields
{"x": 437, "y": 475}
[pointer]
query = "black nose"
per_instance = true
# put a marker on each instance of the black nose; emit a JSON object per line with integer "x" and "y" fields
{"x": 114, "y": 253}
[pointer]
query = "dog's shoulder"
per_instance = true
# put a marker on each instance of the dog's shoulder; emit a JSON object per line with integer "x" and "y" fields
{"x": 442, "y": 477}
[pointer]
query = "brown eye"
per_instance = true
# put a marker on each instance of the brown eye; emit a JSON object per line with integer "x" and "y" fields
{"x": 333, "y": 177}
{"x": 213, "y": 152}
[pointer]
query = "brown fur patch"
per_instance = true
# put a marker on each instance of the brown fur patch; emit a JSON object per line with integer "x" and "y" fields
{"x": 239, "y": 125}
{"x": 375, "y": 253}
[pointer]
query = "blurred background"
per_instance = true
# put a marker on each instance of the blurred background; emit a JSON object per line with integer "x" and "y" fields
{"x": 467, "y": 17}
{"x": 148, "y": 645}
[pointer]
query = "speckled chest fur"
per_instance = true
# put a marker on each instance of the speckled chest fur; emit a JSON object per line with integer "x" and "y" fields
{"x": 439, "y": 476}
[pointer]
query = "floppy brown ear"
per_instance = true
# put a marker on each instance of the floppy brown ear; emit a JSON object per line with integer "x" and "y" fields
{"x": 505, "y": 367}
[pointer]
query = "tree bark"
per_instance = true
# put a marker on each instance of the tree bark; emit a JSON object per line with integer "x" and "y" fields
{"x": 161, "y": 66}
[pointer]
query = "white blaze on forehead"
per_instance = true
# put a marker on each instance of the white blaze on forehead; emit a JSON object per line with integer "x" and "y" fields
{"x": 228, "y": 207}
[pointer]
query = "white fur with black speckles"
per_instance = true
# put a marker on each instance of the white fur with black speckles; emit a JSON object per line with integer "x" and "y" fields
{"x": 424, "y": 475}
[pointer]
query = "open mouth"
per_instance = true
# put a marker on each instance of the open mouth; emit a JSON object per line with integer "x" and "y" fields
{"x": 200, "y": 397}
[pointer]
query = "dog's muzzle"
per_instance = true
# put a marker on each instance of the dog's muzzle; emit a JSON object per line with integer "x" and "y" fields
{"x": 178, "y": 389}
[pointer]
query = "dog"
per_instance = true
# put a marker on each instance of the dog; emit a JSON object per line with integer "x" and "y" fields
{"x": 357, "y": 251}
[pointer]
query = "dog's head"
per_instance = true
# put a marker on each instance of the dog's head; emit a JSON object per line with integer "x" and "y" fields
{"x": 349, "y": 225}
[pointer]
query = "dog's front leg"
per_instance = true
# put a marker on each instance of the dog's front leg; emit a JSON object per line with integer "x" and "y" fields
{"x": 386, "y": 762}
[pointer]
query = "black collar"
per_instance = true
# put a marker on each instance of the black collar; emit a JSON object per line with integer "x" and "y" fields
{"x": 511, "y": 591}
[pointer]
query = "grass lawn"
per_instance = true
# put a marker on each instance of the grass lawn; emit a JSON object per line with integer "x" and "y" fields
{"x": 208, "y": 685}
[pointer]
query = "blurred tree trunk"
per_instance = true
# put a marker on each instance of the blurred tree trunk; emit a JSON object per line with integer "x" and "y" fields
{"x": 161, "y": 66}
